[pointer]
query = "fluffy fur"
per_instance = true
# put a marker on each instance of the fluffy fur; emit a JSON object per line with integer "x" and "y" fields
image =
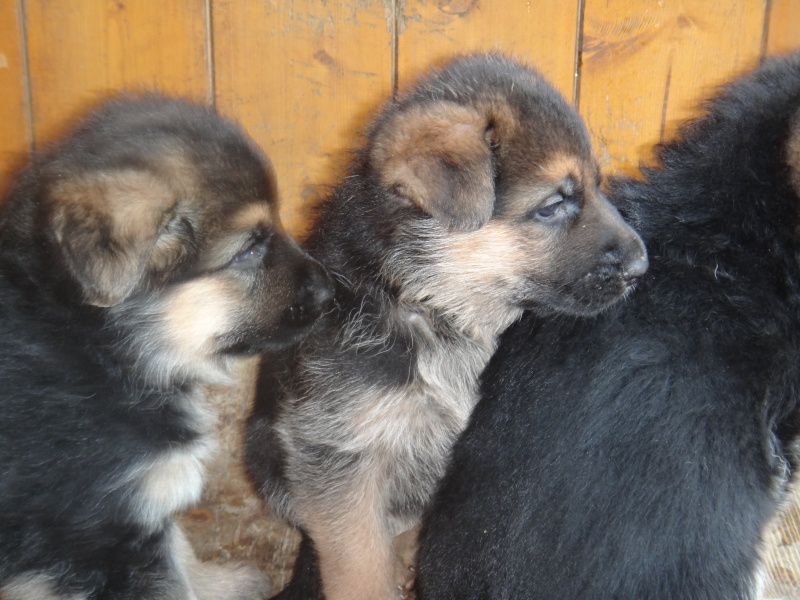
{"x": 474, "y": 197}
{"x": 642, "y": 453}
{"x": 139, "y": 258}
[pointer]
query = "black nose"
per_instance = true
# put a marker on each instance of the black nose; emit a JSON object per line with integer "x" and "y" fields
{"x": 635, "y": 268}
{"x": 314, "y": 293}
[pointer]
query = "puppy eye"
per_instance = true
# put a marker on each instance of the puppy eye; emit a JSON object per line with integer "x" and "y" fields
{"x": 561, "y": 206}
{"x": 251, "y": 257}
{"x": 552, "y": 208}
{"x": 556, "y": 208}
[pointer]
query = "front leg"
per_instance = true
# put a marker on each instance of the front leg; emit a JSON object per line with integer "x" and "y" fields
{"x": 307, "y": 585}
{"x": 355, "y": 551}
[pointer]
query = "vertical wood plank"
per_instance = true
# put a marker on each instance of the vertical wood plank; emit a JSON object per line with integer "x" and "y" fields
{"x": 80, "y": 50}
{"x": 646, "y": 65}
{"x": 784, "y": 27}
{"x": 14, "y": 131}
{"x": 303, "y": 77}
{"x": 541, "y": 32}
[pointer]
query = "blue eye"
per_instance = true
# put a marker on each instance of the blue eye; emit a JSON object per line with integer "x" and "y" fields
{"x": 251, "y": 257}
{"x": 557, "y": 208}
{"x": 550, "y": 210}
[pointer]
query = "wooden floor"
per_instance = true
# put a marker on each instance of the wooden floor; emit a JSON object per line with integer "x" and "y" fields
{"x": 784, "y": 554}
{"x": 232, "y": 523}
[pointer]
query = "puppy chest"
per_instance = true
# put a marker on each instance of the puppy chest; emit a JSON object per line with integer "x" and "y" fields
{"x": 420, "y": 417}
{"x": 429, "y": 420}
{"x": 417, "y": 452}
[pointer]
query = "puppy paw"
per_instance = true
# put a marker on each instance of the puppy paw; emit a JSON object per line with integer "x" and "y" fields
{"x": 407, "y": 587}
{"x": 405, "y": 574}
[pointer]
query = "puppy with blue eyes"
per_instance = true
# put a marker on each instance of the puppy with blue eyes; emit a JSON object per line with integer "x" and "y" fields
{"x": 474, "y": 198}
{"x": 140, "y": 259}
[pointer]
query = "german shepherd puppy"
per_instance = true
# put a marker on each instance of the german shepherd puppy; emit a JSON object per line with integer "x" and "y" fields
{"x": 642, "y": 454}
{"x": 474, "y": 197}
{"x": 139, "y": 259}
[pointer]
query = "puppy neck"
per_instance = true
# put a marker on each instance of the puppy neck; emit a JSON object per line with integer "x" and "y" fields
{"x": 158, "y": 360}
{"x": 425, "y": 281}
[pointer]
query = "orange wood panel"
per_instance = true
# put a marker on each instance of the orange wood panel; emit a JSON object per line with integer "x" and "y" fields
{"x": 79, "y": 50}
{"x": 784, "y": 27}
{"x": 646, "y": 65}
{"x": 303, "y": 77}
{"x": 541, "y": 32}
{"x": 14, "y": 133}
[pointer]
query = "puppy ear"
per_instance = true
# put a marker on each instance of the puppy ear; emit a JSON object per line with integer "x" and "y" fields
{"x": 439, "y": 157}
{"x": 106, "y": 226}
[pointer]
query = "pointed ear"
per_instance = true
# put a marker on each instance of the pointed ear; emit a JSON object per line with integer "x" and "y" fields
{"x": 106, "y": 226}
{"x": 439, "y": 157}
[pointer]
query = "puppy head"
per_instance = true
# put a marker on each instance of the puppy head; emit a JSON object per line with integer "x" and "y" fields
{"x": 556, "y": 245}
{"x": 504, "y": 166}
{"x": 164, "y": 215}
{"x": 253, "y": 290}
{"x": 581, "y": 255}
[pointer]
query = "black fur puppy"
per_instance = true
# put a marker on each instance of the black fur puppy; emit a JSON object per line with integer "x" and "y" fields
{"x": 138, "y": 259}
{"x": 641, "y": 454}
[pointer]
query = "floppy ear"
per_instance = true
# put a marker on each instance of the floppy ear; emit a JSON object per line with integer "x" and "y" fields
{"x": 439, "y": 157}
{"x": 106, "y": 225}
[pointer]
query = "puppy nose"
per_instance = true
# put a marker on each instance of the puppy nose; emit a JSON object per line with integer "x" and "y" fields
{"x": 314, "y": 294}
{"x": 321, "y": 286}
{"x": 636, "y": 267}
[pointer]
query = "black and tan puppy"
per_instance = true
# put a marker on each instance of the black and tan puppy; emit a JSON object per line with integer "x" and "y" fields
{"x": 138, "y": 259}
{"x": 474, "y": 197}
{"x": 642, "y": 454}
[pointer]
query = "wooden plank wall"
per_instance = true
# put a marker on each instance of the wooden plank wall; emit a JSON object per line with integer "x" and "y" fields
{"x": 303, "y": 76}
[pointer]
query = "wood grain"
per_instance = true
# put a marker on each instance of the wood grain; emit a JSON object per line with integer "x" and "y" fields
{"x": 784, "y": 27}
{"x": 303, "y": 79}
{"x": 15, "y": 135}
{"x": 80, "y": 50}
{"x": 647, "y": 64}
{"x": 540, "y": 32}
